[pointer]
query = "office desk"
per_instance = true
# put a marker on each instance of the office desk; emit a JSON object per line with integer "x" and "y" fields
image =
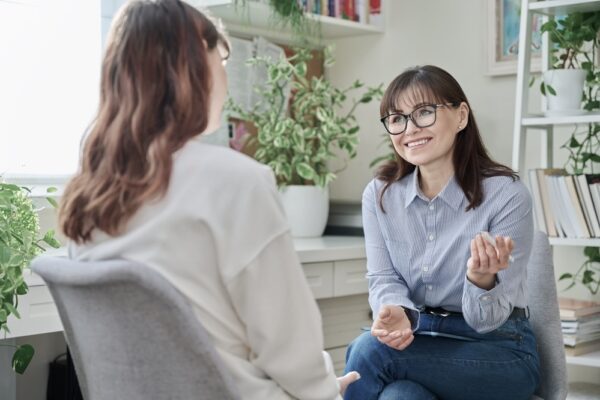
{"x": 334, "y": 267}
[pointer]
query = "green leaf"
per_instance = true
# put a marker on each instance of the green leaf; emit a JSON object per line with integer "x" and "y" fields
{"x": 53, "y": 202}
{"x": 22, "y": 358}
{"x": 11, "y": 309}
{"x": 51, "y": 189}
{"x": 50, "y": 240}
{"x": 305, "y": 171}
{"x": 573, "y": 143}
{"x": 592, "y": 253}
{"x": 566, "y": 275}
{"x": 588, "y": 277}
{"x": 551, "y": 90}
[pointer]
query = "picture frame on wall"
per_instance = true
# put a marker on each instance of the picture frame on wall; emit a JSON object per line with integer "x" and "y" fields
{"x": 504, "y": 18}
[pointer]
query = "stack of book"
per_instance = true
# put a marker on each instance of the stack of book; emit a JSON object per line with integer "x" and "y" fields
{"x": 580, "y": 321}
{"x": 566, "y": 205}
{"x": 363, "y": 11}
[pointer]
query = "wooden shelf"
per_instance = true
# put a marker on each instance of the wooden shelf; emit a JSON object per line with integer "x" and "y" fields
{"x": 554, "y": 241}
{"x": 562, "y": 7}
{"x": 544, "y": 121}
{"x": 255, "y": 19}
{"x": 589, "y": 359}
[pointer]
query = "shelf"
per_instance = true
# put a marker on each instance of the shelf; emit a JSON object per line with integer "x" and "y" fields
{"x": 256, "y": 19}
{"x": 543, "y": 121}
{"x": 589, "y": 359}
{"x": 562, "y": 7}
{"x": 554, "y": 241}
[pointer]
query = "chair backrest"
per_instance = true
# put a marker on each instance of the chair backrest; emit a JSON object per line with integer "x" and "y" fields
{"x": 545, "y": 320}
{"x": 132, "y": 335}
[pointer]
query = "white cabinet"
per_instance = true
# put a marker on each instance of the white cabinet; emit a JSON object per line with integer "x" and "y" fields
{"x": 525, "y": 121}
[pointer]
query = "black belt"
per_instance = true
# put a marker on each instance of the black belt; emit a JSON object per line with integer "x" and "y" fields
{"x": 440, "y": 312}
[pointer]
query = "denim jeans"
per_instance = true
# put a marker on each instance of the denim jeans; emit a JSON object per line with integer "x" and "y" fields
{"x": 502, "y": 364}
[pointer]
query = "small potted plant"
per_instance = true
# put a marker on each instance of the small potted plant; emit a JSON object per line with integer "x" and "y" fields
{"x": 574, "y": 41}
{"x": 298, "y": 137}
{"x": 20, "y": 242}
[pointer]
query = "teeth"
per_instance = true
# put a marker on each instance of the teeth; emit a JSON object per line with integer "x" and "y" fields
{"x": 417, "y": 143}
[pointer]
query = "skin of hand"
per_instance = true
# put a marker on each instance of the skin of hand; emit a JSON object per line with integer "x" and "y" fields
{"x": 486, "y": 261}
{"x": 392, "y": 327}
{"x": 346, "y": 380}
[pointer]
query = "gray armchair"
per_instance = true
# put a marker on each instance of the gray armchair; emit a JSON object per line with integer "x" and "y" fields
{"x": 545, "y": 321}
{"x": 132, "y": 334}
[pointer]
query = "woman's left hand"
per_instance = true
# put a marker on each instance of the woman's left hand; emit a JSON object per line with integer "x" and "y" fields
{"x": 486, "y": 261}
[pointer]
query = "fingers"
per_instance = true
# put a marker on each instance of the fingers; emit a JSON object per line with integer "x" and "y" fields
{"x": 385, "y": 313}
{"x": 487, "y": 259}
{"x": 346, "y": 380}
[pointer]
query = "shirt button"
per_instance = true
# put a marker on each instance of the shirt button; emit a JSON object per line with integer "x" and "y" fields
{"x": 485, "y": 298}
{"x": 432, "y": 207}
{"x": 431, "y": 237}
{"x": 429, "y": 287}
{"x": 425, "y": 268}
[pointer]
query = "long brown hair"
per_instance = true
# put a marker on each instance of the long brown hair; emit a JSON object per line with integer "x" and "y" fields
{"x": 470, "y": 158}
{"x": 155, "y": 88}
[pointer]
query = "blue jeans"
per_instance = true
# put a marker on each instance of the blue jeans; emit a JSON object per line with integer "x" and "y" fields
{"x": 502, "y": 364}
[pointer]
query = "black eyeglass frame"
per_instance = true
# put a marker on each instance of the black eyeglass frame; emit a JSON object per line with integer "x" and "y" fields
{"x": 409, "y": 116}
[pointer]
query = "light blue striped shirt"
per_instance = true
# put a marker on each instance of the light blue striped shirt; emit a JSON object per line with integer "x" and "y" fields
{"x": 417, "y": 251}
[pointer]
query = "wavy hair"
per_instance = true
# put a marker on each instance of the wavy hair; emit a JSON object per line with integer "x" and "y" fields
{"x": 155, "y": 88}
{"x": 472, "y": 163}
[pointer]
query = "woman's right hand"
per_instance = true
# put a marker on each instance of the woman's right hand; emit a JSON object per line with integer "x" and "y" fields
{"x": 392, "y": 327}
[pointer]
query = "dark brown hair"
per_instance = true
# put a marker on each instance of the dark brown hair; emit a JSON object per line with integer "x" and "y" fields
{"x": 472, "y": 163}
{"x": 155, "y": 88}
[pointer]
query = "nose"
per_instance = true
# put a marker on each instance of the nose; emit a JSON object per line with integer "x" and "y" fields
{"x": 411, "y": 128}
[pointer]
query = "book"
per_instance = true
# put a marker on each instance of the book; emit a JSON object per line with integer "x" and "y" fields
{"x": 573, "y": 308}
{"x": 588, "y": 204}
{"x": 538, "y": 211}
{"x": 576, "y": 207}
{"x": 582, "y": 348}
{"x": 549, "y": 217}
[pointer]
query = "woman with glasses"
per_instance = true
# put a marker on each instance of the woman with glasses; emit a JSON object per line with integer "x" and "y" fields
{"x": 450, "y": 313}
{"x": 208, "y": 218}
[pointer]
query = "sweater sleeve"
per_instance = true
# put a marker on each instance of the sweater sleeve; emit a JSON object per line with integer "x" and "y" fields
{"x": 282, "y": 320}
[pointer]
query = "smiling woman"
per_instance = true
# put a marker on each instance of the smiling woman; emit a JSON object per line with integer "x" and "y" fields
{"x": 49, "y": 77}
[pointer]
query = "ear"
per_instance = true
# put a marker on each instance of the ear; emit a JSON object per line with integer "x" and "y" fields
{"x": 463, "y": 116}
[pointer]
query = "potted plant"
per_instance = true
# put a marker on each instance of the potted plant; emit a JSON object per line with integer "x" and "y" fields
{"x": 574, "y": 40}
{"x": 20, "y": 242}
{"x": 298, "y": 139}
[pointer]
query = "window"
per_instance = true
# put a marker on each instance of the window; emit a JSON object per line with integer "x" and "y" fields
{"x": 50, "y": 55}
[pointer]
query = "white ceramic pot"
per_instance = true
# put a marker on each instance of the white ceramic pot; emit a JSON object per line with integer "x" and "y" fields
{"x": 568, "y": 84}
{"x": 307, "y": 208}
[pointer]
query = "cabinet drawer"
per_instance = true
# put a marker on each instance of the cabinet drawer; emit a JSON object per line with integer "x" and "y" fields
{"x": 343, "y": 318}
{"x": 349, "y": 277}
{"x": 38, "y": 314}
{"x": 320, "y": 278}
{"x": 338, "y": 356}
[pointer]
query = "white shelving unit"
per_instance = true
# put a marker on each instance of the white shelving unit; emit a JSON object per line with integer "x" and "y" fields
{"x": 525, "y": 121}
{"x": 255, "y": 19}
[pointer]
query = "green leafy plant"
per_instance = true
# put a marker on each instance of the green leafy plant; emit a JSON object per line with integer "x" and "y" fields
{"x": 20, "y": 242}
{"x": 586, "y": 274}
{"x": 289, "y": 13}
{"x": 298, "y": 141}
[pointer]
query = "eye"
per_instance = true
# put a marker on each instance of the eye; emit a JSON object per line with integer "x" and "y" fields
{"x": 425, "y": 111}
{"x": 396, "y": 119}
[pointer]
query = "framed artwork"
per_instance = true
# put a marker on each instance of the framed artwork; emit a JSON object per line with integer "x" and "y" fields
{"x": 503, "y": 37}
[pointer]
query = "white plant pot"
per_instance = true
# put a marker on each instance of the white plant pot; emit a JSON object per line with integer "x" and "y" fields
{"x": 307, "y": 208}
{"x": 568, "y": 84}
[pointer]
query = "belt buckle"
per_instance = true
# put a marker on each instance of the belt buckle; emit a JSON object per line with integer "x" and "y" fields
{"x": 442, "y": 313}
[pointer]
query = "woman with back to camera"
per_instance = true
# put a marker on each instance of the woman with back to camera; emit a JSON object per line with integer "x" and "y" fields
{"x": 450, "y": 319}
{"x": 207, "y": 218}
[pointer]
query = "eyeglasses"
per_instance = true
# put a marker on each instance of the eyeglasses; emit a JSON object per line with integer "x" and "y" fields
{"x": 224, "y": 52}
{"x": 422, "y": 117}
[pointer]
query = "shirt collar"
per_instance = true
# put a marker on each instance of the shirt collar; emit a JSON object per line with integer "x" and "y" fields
{"x": 452, "y": 194}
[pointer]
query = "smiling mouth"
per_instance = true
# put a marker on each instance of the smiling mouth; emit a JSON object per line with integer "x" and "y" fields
{"x": 417, "y": 143}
